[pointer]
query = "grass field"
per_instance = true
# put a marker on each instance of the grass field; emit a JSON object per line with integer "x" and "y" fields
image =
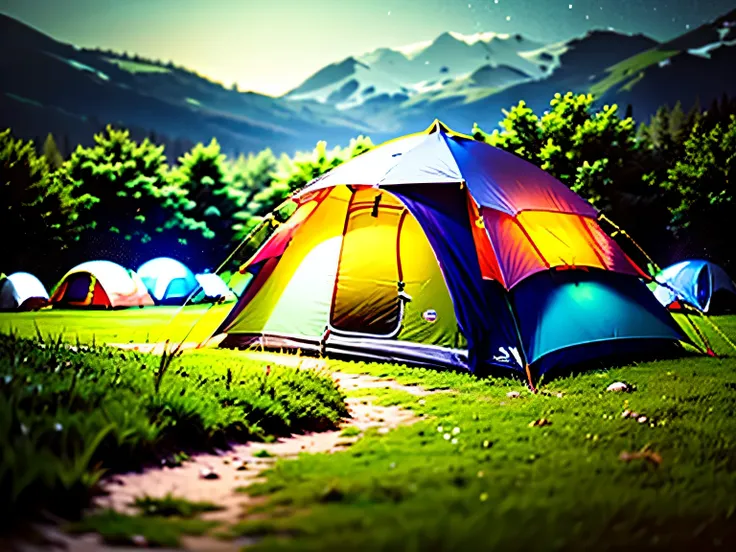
{"x": 144, "y": 325}
{"x": 477, "y": 473}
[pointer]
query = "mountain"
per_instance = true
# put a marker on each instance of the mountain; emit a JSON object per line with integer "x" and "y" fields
{"x": 695, "y": 67}
{"x": 49, "y": 86}
{"x": 463, "y": 79}
{"x": 400, "y": 73}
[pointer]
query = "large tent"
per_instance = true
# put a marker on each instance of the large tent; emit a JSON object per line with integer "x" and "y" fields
{"x": 441, "y": 250}
{"x": 169, "y": 281}
{"x": 101, "y": 284}
{"x": 22, "y": 291}
{"x": 697, "y": 283}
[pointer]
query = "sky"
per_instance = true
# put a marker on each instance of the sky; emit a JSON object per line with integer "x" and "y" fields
{"x": 271, "y": 46}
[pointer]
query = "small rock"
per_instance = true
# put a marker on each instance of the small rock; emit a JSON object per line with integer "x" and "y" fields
{"x": 513, "y": 394}
{"x": 208, "y": 473}
{"x": 139, "y": 540}
{"x": 618, "y": 386}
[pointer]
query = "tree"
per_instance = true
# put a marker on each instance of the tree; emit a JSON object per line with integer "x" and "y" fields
{"x": 203, "y": 174}
{"x": 51, "y": 152}
{"x": 132, "y": 206}
{"x": 703, "y": 183}
{"x": 522, "y": 133}
{"x": 38, "y": 216}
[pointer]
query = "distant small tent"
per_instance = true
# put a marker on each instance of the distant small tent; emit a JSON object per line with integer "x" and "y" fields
{"x": 213, "y": 289}
{"x": 22, "y": 291}
{"x": 700, "y": 284}
{"x": 168, "y": 281}
{"x": 101, "y": 284}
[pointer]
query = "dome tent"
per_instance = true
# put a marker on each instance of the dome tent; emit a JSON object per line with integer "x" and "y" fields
{"x": 700, "y": 284}
{"x": 441, "y": 250}
{"x": 169, "y": 281}
{"x": 212, "y": 288}
{"x": 100, "y": 284}
{"x": 22, "y": 291}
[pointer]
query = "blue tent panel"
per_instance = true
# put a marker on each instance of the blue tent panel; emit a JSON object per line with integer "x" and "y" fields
{"x": 482, "y": 311}
{"x": 563, "y": 310}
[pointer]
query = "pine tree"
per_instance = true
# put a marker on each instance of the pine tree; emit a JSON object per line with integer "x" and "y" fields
{"x": 52, "y": 154}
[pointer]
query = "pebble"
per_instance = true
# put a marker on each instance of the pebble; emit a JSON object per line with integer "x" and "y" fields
{"x": 618, "y": 386}
{"x": 139, "y": 540}
{"x": 207, "y": 473}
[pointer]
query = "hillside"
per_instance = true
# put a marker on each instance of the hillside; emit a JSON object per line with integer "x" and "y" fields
{"x": 694, "y": 67}
{"x": 49, "y": 86}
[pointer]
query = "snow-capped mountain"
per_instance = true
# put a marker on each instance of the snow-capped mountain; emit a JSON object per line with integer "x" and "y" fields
{"x": 485, "y": 59}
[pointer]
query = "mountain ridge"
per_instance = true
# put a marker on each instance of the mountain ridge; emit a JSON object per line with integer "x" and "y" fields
{"x": 50, "y": 86}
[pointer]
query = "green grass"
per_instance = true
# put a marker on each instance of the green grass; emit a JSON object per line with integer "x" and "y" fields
{"x": 171, "y": 506}
{"x": 119, "y": 326}
{"x": 471, "y": 473}
{"x": 628, "y": 72}
{"x": 137, "y": 67}
{"x": 66, "y": 417}
{"x": 119, "y": 529}
{"x": 498, "y": 483}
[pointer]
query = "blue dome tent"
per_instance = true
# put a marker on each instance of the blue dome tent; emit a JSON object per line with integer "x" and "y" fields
{"x": 168, "y": 281}
{"x": 700, "y": 284}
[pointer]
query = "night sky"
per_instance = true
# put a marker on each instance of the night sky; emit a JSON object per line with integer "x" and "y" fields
{"x": 270, "y": 46}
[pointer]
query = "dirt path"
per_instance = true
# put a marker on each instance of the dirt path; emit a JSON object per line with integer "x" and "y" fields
{"x": 239, "y": 466}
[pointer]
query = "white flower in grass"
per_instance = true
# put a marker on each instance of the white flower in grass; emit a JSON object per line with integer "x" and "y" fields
{"x": 446, "y": 436}
{"x": 454, "y": 441}
{"x": 58, "y": 426}
{"x": 439, "y": 428}
{"x": 455, "y": 430}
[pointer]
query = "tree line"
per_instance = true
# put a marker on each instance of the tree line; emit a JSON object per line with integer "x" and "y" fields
{"x": 668, "y": 182}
